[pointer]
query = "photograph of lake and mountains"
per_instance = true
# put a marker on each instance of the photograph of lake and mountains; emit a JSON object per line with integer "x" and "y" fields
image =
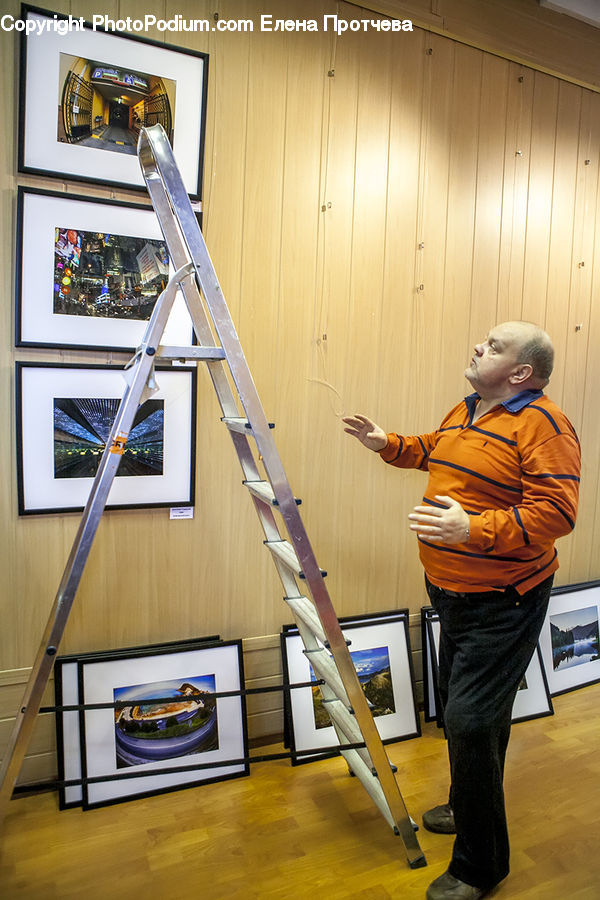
{"x": 575, "y": 637}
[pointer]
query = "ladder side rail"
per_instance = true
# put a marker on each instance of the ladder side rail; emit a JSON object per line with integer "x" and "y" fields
{"x": 333, "y": 695}
{"x": 166, "y": 206}
{"x": 264, "y": 511}
{"x": 165, "y": 184}
{"x": 357, "y": 765}
{"x": 171, "y": 200}
{"x": 157, "y": 161}
{"x": 180, "y": 256}
{"x": 88, "y": 526}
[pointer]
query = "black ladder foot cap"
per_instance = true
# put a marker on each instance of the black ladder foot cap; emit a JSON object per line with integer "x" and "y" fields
{"x": 419, "y": 863}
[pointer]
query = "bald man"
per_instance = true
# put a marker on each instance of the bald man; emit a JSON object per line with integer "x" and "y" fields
{"x": 503, "y": 483}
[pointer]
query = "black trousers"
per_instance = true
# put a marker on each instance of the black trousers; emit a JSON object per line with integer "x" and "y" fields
{"x": 486, "y": 642}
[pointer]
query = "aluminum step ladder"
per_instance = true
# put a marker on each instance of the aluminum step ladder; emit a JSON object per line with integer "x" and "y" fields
{"x": 242, "y": 414}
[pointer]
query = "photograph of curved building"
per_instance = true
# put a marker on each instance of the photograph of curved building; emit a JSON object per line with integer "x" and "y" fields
{"x": 114, "y": 276}
{"x": 104, "y": 106}
{"x": 82, "y": 427}
{"x": 145, "y": 732}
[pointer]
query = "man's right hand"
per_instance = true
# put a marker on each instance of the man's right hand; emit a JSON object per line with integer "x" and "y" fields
{"x": 368, "y": 433}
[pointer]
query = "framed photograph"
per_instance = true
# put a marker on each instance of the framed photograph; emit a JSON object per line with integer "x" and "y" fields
{"x": 64, "y": 416}
{"x": 89, "y": 273}
{"x": 86, "y": 94}
{"x": 380, "y": 651}
{"x": 68, "y": 741}
{"x": 569, "y": 638}
{"x": 66, "y": 693}
{"x": 292, "y": 628}
{"x": 533, "y": 699}
{"x": 146, "y": 738}
{"x": 430, "y": 643}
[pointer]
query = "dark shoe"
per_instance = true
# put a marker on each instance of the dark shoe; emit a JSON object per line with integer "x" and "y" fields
{"x": 447, "y": 887}
{"x": 440, "y": 819}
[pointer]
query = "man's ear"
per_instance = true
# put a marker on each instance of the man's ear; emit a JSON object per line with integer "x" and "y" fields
{"x": 521, "y": 374}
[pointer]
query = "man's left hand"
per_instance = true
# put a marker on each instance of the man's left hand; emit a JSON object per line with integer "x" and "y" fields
{"x": 449, "y": 525}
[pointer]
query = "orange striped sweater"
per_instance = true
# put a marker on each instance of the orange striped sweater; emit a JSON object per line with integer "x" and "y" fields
{"x": 515, "y": 471}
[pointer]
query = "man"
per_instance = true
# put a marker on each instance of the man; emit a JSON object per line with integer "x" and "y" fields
{"x": 503, "y": 485}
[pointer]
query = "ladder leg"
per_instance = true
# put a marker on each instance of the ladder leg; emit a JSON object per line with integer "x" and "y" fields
{"x": 59, "y": 614}
{"x": 295, "y": 559}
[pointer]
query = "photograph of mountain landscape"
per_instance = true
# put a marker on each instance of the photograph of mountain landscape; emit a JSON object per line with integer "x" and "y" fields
{"x": 379, "y": 647}
{"x": 373, "y": 670}
{"x": 575, "y": 637}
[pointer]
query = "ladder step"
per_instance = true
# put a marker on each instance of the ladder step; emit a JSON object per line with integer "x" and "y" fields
{"x": 284, "y": 551}
{"x": 338, "y": 713}
{"x": 325, "y": 668}
{"x": 190, "y": 353}
{"x": 243, "y": 426}
{"x": 348, "y": 727}
{"x": 304, "y": 609}
{"x": 370, "y": 783}
{"x": 264, "y": 491}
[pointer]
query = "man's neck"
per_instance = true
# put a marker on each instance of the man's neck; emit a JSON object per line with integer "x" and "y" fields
{"x": 484, "y": 406}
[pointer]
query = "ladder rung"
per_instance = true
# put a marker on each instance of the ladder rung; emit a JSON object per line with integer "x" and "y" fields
{"x": 370, "y": 783}
{"x": 191, "y": 352}
{"x": 325, "y": 668}
{"x": 285, "y": 552}
{"x": 243, "y": 426}
{"x": 338, "y": 713}
{"x": 348, "y": 726}
{"x": 264, "y": 491}
{"x": 304, "y": 610}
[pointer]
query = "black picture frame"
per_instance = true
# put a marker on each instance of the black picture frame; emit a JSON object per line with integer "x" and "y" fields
{"x": 67, "y": 722}
{"x": 215, "y": 751}
{"x": 533, "y": 700}
{"x": 51, "y": 396}
{"x": 377, "y": 637}
{"x": 103, "y": 81}
{"x": 88, "y": 273}
{"x": 430, "y": 703}
{"x": 573, "y": 609}
{"x": 292, "y": 627}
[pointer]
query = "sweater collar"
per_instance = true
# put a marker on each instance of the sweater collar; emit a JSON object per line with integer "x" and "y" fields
{"x": 513, "y": 404}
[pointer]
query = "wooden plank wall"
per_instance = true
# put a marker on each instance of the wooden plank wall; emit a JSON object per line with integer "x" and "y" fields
{"x": 374, "y": 202}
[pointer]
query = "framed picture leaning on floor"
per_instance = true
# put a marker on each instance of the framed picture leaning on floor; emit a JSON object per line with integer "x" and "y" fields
{"x": 205, "y": 736}
{"x": 533, "y": 698}
{"x": 380, "y": 650}
{"x": 570, "y": 637}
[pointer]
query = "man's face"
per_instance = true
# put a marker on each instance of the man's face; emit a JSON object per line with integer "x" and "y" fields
{"x": 495, "y": 360}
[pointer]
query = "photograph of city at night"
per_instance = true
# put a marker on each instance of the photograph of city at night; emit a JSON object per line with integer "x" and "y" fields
{"x": 107, "y": 275}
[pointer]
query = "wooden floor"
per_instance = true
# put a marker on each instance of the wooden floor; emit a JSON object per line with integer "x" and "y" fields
{"x": 290, "y": 832}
